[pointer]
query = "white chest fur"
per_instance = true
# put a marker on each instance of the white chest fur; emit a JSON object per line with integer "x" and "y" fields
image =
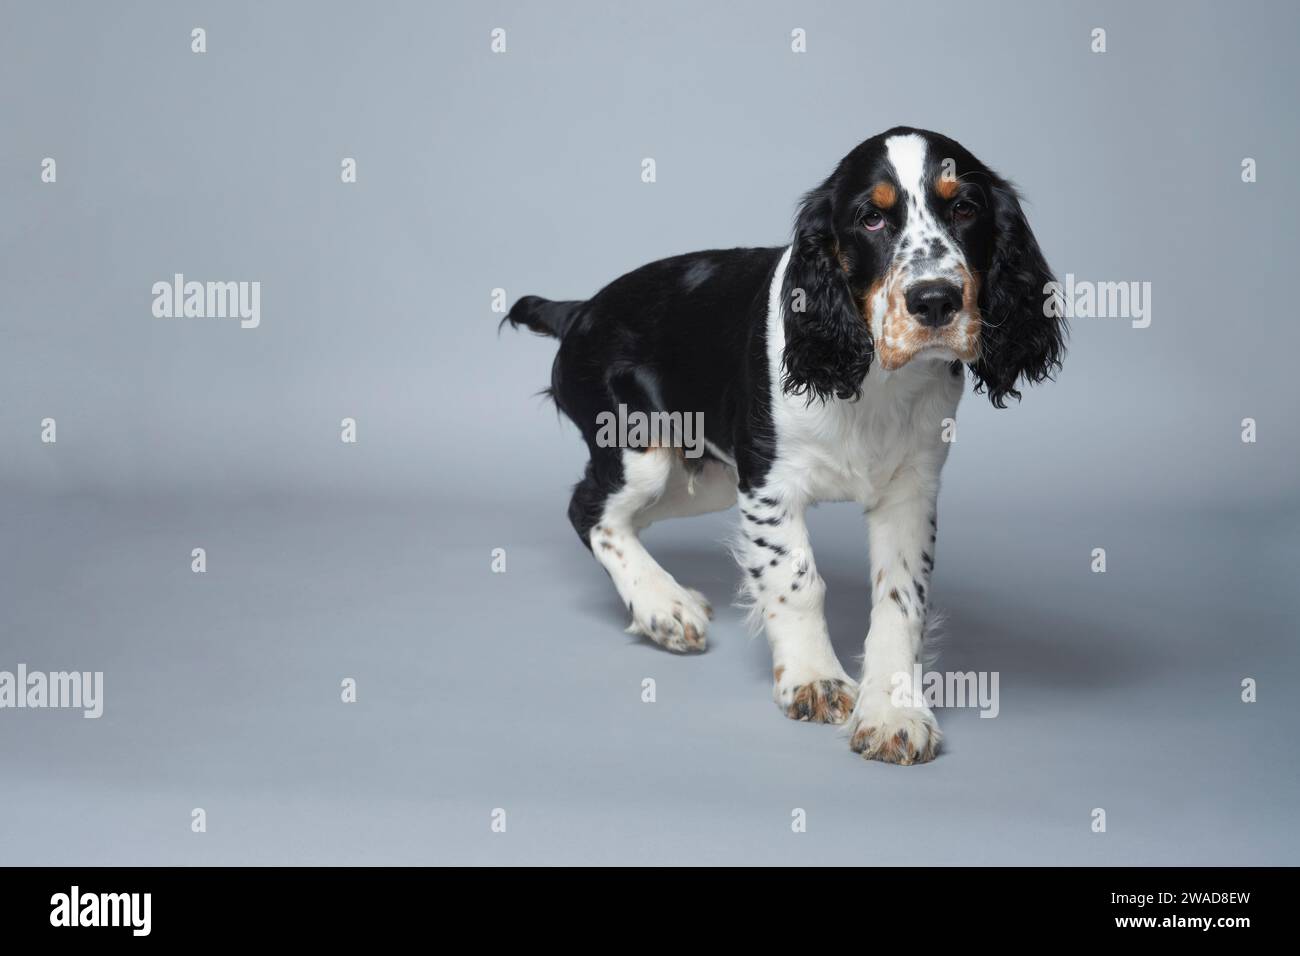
{"x": 845, "y": 450}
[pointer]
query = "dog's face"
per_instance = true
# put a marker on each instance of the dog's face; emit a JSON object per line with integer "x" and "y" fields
{"x": 913, "y": 249}
{"x": 909, "y": 228}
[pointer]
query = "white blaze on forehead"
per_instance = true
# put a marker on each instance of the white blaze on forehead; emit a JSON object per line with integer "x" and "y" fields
{"x": 907, "y": 154}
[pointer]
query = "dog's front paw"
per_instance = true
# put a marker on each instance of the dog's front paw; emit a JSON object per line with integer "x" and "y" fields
{"x": 824, "y": 700}
{"x": 881, "y": 731}
{"x": 673, "y": 617}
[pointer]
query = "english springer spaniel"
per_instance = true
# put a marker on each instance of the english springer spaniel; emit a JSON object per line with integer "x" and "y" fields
{"x": 913, "y": 257}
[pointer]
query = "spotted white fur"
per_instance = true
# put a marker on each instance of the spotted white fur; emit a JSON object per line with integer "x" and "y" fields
{"x": 656, "y": 486}
{"x": 924, "y": 251}
{"x": 884, "y": 451}
{"x": 942, "y": 258}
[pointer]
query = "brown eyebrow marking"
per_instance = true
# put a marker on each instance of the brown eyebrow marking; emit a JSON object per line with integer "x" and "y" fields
{"x": 884, "y": 195}
{"x": 946, "y": 188}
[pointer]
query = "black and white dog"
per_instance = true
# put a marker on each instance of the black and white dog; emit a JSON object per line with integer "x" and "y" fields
{"x": 913, "y": 257}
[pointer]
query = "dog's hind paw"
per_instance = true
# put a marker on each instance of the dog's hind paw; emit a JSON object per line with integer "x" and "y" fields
{"x": 673, "y": 617}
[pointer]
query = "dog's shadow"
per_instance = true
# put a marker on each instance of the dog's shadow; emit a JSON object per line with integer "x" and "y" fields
{"x": 984, "y": 629}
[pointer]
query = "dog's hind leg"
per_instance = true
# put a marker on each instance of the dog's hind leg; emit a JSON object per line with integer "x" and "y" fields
{"x": 622, "y": 493}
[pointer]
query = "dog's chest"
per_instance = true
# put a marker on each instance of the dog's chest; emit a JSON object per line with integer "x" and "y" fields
{"x": 844, "y": 451}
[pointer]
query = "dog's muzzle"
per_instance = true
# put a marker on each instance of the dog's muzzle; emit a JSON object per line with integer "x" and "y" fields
{"x": 935, "y": 316}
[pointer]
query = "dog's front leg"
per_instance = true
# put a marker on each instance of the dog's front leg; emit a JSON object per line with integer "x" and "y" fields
{"x": 783, "y": 586}
{"x": 889, "y": 723}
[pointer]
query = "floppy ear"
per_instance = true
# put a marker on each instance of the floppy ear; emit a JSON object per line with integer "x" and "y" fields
{"x": 1023, "y": 332}
{"x": 828, "y": 345}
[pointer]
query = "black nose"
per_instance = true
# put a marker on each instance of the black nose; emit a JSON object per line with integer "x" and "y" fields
{"x": 934, "y": 303}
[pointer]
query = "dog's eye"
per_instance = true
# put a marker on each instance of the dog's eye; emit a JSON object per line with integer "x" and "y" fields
{"x": 873, "y": 221}
{"x": 964, "y": 210}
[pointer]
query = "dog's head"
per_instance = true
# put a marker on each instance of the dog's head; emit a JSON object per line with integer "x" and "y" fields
{"x": 914, "y": 249}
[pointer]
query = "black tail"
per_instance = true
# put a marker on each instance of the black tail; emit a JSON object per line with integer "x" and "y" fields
{"x": 544, "y": 316}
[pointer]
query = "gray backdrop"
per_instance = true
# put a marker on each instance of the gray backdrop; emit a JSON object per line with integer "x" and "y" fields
{"x": 519, "y": 690}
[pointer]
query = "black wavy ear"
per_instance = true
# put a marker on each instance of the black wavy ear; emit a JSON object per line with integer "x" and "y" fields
{"x": 1023, "y": 334}
{"x": 827, "y": 342}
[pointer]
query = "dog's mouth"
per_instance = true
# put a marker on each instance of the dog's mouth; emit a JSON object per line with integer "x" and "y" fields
{"x": 897, "y": 350}
{"x": 931, "y": 318}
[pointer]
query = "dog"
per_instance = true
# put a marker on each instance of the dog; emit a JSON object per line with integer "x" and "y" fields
{"x": 822, "y": 371}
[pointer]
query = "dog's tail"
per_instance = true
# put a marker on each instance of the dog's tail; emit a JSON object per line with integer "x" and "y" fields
{"x": 544, "y": 316}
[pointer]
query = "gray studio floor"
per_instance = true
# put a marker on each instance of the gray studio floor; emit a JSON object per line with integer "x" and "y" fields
{"x": 519, "y": 691}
